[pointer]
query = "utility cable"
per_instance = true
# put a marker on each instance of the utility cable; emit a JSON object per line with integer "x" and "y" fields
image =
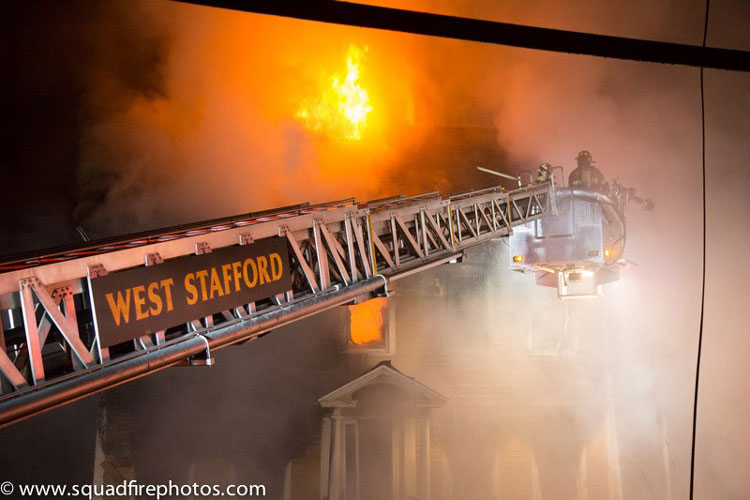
{"x": 480, "y": 30}
{"x": 703, "y": 278}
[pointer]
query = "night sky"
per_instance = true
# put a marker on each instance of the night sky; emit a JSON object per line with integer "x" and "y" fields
{"x": 53, "y": 54}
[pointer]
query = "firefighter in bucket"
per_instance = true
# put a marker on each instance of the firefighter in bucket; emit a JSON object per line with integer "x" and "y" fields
{"x": 586, "y": 175}
{"x": 543, "y": 173}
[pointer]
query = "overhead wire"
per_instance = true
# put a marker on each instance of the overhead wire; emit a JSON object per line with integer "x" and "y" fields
{"x": 703, "y": 271}
{"x": 480, "y": 30}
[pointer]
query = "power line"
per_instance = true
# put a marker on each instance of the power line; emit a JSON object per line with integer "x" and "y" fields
{"x": 703, "y": 278}
{"x": 515, "y": 35}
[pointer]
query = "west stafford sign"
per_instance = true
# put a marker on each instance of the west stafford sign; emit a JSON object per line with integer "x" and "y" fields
{"x": 135, "y": 302}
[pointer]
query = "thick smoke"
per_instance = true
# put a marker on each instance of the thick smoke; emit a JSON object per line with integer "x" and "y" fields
{"x": 216, "y": 133}
{"x": 219, "y": 134}
{"x": 642, "y": 123}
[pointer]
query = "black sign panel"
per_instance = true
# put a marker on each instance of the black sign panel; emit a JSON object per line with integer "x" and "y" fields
{"x": 148, "y": 299}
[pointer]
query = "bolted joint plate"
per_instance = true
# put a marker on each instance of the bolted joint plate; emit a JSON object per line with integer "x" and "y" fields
{"x": 62, "y": 292}
{"x": 96, "y": 271}
{"x": 246, "y": 239}
{"x": 202, "y": 248}
{"x": 153, "y": 259}
{"x": 29, "y": 283}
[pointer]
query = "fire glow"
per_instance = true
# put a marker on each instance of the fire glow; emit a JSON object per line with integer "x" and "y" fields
{"x": 342, "y": 107}
{"x": 366, "y": 322}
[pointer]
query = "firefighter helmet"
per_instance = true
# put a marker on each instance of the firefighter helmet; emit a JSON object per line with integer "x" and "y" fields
{"x": 584, "y": 159}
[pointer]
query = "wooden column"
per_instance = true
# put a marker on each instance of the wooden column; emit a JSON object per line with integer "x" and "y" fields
{"x": 325, "y": 457}
{"x": 424, "y": 456}
{"x": 336, "y": 485}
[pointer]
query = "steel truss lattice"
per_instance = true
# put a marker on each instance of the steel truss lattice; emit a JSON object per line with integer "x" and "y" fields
{"x": 340, "y": 252}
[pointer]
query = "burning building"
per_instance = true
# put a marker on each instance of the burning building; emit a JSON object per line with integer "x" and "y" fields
{"x": 530, "y": 409}
{"x": 375, "y": 442}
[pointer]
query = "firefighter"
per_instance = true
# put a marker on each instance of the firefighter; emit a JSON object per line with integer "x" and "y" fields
{"x": 586, "y": 175}
{"x": 543, "y": 174}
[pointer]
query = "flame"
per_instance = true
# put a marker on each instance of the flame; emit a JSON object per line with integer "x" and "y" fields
{"x": 343, "y": 106}
{"x": 366, "y": 323}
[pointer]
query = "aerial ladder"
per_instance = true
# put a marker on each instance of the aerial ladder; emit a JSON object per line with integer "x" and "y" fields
{"x": 80, "y": 319}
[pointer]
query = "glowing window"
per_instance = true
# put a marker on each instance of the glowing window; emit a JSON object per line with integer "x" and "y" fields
{"x": 369, "y": 325}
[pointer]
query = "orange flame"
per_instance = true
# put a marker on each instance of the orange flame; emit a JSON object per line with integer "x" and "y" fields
{"x": 343, "y": 106}
{"x": 367, "y": 321}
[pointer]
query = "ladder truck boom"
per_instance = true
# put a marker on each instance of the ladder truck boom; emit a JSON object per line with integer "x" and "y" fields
{"x": 79, "y": 319}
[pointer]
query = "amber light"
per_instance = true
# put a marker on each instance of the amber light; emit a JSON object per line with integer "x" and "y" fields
{"x": 607, "y": 253}
{"x": 518, "y": 258}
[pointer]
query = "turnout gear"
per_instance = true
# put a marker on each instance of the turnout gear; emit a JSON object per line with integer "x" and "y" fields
{"x": 586, "y": 175}
{"x": 544, "y": 172}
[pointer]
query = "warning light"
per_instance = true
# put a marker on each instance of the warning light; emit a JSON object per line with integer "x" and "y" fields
{"x": 607, "y": 253}
{"x": 518, "y": 258}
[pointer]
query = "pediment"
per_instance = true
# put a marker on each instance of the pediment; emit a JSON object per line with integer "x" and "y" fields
{"x": 383, "y": 374}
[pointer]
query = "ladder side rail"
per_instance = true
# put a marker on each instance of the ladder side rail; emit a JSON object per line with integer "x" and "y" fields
{"x": 397, "y": 227}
